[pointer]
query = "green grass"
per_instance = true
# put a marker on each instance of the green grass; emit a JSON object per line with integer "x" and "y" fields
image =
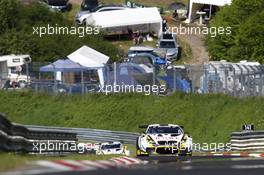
{"x": 124, "y": 44}
{"x": 209, "y": 118}
{"x": 20, "y": 160}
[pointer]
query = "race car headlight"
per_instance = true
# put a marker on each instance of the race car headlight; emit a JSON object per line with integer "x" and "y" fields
{"x": 183, "y": 144}
{"x": 184, "y": 141}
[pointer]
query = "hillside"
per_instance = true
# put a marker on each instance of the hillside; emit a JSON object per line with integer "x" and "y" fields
{"x": 209, "y": 118}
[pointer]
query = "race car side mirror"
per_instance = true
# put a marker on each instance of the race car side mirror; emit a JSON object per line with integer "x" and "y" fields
{"x": 188, "y": 134}
{"x": 182, "y": 127}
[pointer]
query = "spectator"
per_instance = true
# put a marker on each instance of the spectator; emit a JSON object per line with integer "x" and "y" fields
{"x": 175, "y": 15}
{"x": 7, "y": 84}
{"x": 136, "y": 37}
{"x": 130, "y": 33}
{"x": 140, "y": 39}
{"x": 164, "y": 25}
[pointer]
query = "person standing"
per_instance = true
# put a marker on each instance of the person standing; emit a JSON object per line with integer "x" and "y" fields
{"x": 7, "y": 84}
{"x": 164, "y": 25}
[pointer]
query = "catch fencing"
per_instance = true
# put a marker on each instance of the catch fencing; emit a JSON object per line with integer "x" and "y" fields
{"x": 248, "y": 141}
{"x": 236, "y": 79}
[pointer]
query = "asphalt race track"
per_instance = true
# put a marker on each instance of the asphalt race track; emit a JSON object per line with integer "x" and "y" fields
{"x": 187, "y": 166}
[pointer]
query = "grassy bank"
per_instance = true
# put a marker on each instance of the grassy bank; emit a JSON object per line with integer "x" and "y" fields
{"x": 208, "y": 118}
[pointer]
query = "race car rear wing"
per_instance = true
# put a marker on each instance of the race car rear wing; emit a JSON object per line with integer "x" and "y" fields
{"x": 143, "y": 126}
{"x": 146, "y": 126}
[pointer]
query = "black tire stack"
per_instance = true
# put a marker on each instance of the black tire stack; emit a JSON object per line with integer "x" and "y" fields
{"x": 16, "y": 138}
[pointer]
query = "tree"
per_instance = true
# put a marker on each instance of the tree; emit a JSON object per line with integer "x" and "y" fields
{"x": 8, "y": 12}
{"x": 16, "y": 33}
{"x": 246, "y": 41}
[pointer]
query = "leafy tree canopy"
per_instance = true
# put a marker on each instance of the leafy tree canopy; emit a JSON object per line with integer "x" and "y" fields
{"x": 247, "y": 39}
{"x": 16, "y": 33}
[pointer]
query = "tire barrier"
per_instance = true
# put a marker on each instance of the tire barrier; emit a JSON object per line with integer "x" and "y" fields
{"x": 247, "y": 140}
{"x": 18, "y": 138}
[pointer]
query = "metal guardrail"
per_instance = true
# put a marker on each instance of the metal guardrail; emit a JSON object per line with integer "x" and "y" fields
{"x": 96, "y": 135}
{"x": 240, "y": 141}
{"x": 247, "y": 141}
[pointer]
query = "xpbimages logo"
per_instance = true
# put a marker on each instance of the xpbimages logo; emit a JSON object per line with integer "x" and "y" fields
{"x": 198, "y": 30}
{"x": 53, "y": 146}
{"x": 80, "y": 31}
{"x": 124, "y": 88}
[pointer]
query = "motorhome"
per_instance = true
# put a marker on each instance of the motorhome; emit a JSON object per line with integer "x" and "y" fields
{"x": 14, "y": 68}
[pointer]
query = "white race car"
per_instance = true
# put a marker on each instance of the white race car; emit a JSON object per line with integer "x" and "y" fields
{"x": 108, "y": 148}
{"x": 164, "y": 139}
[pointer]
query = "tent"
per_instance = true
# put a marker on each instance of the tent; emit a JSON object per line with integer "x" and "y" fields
{"x": 123, "y": 74}
{"x": 90, "y": 58}
{"x": 182, "y": 85}
{"x": 65, "y": 66}
{"x": 142, "y": 19}
{"x": 208, "y": 2}
{"x": 62, "y": 66}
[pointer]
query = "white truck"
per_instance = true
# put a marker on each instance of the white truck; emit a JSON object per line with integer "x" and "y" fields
{"x": 14, "y": 68}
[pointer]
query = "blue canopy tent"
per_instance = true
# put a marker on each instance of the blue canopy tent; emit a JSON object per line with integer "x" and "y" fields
{"x": 64, "y": 65}
{"x": 181, "y": 84}
{"x": 61, "y": 65}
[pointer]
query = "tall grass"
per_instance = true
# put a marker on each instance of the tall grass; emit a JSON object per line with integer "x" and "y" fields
{"x": 209, "y": 118}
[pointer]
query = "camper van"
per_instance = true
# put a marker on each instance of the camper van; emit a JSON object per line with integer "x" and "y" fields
{"x": 14, "y": 68}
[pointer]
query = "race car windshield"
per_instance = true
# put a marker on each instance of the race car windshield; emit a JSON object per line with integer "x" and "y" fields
{"x": 114, "y": 146}
{"x": 164, "y": 130}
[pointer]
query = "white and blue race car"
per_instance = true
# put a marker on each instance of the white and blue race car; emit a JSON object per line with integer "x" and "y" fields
{"x": 112, "y": 148}
{"x": 164, "y": 139}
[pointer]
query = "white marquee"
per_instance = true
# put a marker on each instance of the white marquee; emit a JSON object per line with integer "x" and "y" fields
{"x": 209, "y": 2}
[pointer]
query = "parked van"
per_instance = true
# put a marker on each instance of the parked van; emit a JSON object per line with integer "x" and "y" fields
{"x": 14, "y": 68}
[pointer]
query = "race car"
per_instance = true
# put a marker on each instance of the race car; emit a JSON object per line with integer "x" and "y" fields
{"x": 164, "y": 139}
{"x": 108, "y": 148}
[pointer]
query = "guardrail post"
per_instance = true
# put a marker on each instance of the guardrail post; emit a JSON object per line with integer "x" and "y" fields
{"x": 174, "y": 79}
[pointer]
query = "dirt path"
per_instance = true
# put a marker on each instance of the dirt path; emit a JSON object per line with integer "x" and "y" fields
{"x": 199, "y": 53}
{"x": 196, "y": 43}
